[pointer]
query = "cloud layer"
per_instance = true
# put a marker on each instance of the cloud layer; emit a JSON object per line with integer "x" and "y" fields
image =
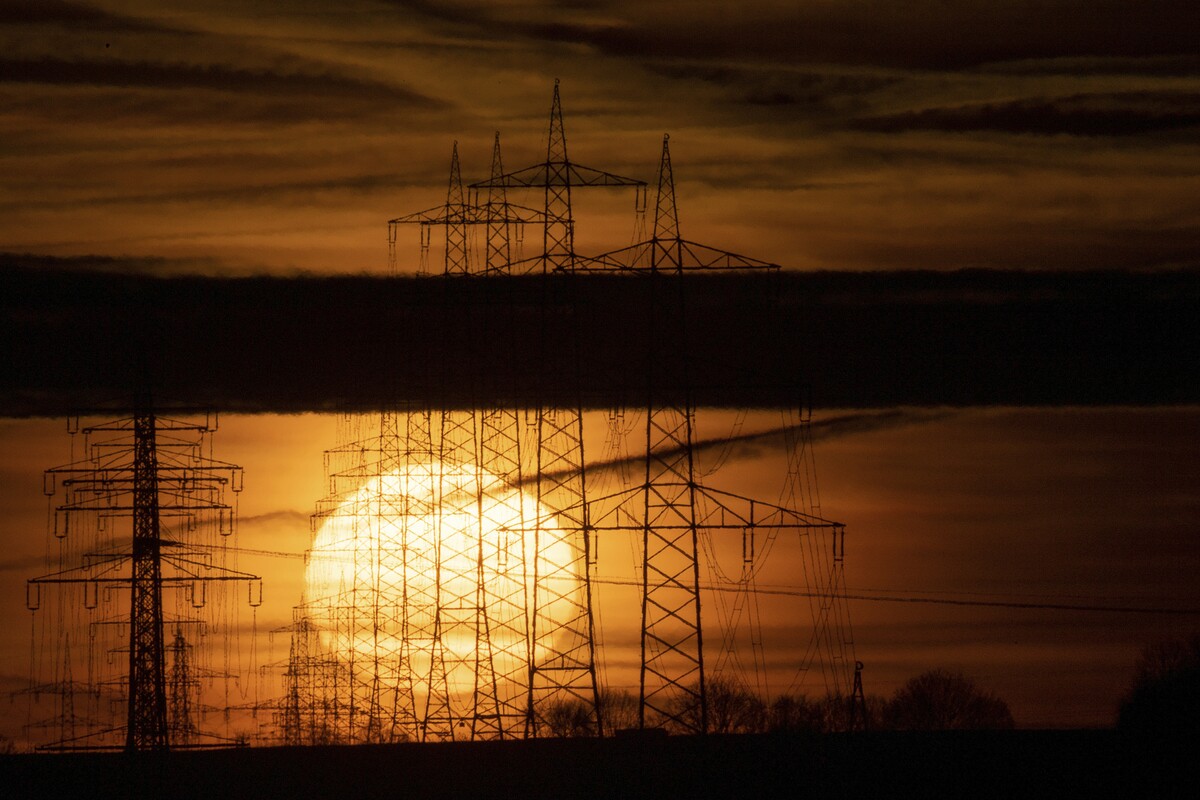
{"x": 80, "y": 342}
{"x": 856, "y": 135}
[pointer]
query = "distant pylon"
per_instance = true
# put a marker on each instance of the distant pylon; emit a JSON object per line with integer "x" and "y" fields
{"x": 858, "y": 701}
{"x": 456, "y": 229}
{"x": 666, "y": 215}
{"x": 557, "y": 176}
{"x": 499, "y": 227}
{"x": 179, "y": 692}
{"x": 456, "y": 215}
{"x": 558, "y": 241}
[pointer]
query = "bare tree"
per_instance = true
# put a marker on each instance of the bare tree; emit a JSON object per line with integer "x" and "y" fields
{"x": 1164, "y": 698}
{"x": 569, "y": 718}
{"x": 828, "y": 714}
{"x": 731, "y": 708}
{"x": 940, "y": 700}
{"x": 619, "y": 710}
{"x": 795, "y": 714}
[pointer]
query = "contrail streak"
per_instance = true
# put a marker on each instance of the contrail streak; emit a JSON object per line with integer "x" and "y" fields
{"x": 819, "y": 430}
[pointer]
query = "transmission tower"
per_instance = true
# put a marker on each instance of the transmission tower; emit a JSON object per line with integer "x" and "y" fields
{"x": 493, "y": 637}
{"x": 556, "y": 177}
{"x": 156, "y": 472}
{"x": 671, "y": 509}
{"x": 563, "y": 649}
{"x": 181, "y": 687}
{"x": 503, "y": 222}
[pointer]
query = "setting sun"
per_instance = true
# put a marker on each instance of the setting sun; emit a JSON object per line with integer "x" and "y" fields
{"x": 422, "y": 580}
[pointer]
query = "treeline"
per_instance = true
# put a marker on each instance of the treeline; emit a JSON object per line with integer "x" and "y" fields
{"x": 934, "y": 700}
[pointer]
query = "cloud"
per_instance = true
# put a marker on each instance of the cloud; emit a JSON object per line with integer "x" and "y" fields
{"x": 212, "y": 133}
{"x": 22, "y": 564}
{"x": 275, "y": 516}
{"x": 122, "y": 265}
{"x": 68, "y": 15}
{"x": 750, "y": 445}
{"x": 81, "y": 342}
{"x": 926, "y": 34}
{"x": 189, "y": 76}
{"x": 1113, "y": 114}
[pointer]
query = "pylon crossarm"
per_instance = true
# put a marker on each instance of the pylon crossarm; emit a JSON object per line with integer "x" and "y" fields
{"x": 95, "y": 571}
{"x": 126, "y": 425}
{"x": 613, "y": 507}
{"x": 730, "y": 510}
{"x": 104, "y": 503}
{"x": 688, "y": 257}
{"x": 556, "y": 173}
{"x": 436, "y": 215}
{"x": 723, "y": 510}
{"x": 482, "y": 214}
{"x": 202, "y": 571}
{"x": 100, "y": 571}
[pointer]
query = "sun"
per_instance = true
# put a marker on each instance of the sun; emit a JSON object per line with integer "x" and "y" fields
{"x": 424, "y": 577}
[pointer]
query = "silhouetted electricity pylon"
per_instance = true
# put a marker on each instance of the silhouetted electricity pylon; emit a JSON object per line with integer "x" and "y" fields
{"x": 557, "y": 176}
{"x": 429, "y": 617}
{"x": 671, "y": 509}
{"x": 562, "y": 665}
{"x": 457, "y": 216}
{"x": 155, "y": 472}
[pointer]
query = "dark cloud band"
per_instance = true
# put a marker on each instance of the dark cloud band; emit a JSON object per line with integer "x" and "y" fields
{"x": 93, "y": 342}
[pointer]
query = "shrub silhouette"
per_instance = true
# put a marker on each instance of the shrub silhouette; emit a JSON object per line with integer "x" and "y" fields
{"x": 569, "y": 718}
{"x": 731, "y": 708}
{"x": 940, "y": 700}
{"x": 1164, "y": 699}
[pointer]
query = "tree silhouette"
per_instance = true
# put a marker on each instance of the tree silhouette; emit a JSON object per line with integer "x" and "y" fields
{"x": 1164, "y": 699}
{"x": 569, "y": 718}
{"x": 791, "y": 713}
{"x": 620, "y": 711}
{"x": 731, "y": 708}
{"x": 940, "y": 700}
{"x": 829, "y": 714}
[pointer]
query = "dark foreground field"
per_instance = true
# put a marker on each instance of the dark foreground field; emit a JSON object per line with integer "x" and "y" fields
{"x": 1090, "y": 764}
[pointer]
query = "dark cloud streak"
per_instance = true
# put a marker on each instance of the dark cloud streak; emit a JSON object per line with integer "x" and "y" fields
{"x": 1116, "y": 114}
{"x": 69, "y": 16}
{"x": 84, "y": 343}
{"x": 926, "y": 34}
{"x": 185, "y": 76}
{"x": 818, "y": 431}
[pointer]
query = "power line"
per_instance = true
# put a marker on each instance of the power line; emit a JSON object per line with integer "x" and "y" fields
{"x": 930, "y": 600}
{"x": 924, "y": 599}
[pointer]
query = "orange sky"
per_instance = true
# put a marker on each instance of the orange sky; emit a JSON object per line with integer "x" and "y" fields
{"x": 1069, "y": 506}
{"x": 837, "y": 135}
{"x": 225, "y": 139}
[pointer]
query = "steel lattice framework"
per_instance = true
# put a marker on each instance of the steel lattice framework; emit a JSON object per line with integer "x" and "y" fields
{"x": 670, "y": 508}
{"x": 476, "y": 636}
{"x": 503, "y": 221}
{"x": 153, "y": 471}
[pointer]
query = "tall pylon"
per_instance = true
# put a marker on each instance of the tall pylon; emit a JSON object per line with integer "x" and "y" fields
{"x": 499, "y": 214}
{"x": 671, "y": 682}
{"x": 562, "y": 665}
{"x": 556, "y": 176}
{"x": 147, "y": 682}
{"x": 558, "y": 239}
{"x": 154, "y": 471}
{"x": 457, "y": 216}
{"x": 179, "y": 691}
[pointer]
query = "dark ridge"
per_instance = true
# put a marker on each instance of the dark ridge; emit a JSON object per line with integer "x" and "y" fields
{"x": 91, "y": 342}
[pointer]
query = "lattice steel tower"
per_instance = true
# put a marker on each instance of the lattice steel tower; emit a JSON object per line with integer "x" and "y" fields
{"x": 156, "y": 472}
{"x": 671, "y": 509}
